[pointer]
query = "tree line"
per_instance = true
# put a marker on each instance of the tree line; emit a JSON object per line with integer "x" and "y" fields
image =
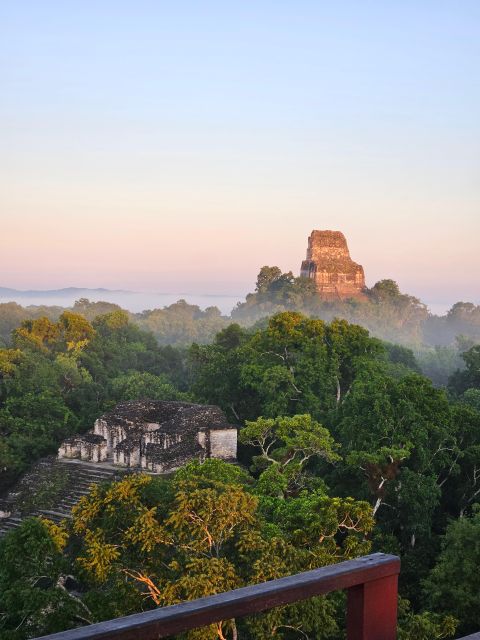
{"x": 384, "y": 310}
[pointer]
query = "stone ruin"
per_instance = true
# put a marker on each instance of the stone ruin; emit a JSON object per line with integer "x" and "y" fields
{"x": 156, "y": 436}
{"x": 329, "y": 264}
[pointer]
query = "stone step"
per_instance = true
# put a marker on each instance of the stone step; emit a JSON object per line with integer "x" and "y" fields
{"x": 87, "y": 482}
{"x": 85, "y": 486}
{"x": 17, "y": 519}
{"x": 54, "y": 515}
{"x": 8, "y": 527}
{"x": 92, "y": 477}
{"x": 9, "y": 523}
{"x": 93, "y": 467}
{"x": 81, "y": 476}
{"x": 81, "y": 487}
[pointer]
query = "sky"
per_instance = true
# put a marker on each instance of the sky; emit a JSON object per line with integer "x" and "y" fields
{"x": 179, "y": 146}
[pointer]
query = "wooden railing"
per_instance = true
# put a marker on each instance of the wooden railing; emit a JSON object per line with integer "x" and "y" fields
{"x": 371, "y": 584}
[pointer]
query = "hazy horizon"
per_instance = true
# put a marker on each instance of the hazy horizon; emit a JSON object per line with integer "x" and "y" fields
{"x": 137, "y": 301}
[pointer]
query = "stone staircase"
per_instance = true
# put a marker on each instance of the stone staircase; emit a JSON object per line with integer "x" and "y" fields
{"x": 25, "y": 499}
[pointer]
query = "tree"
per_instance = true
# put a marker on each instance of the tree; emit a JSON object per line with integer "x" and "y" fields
{"x": 41, "y": 334}
{"x": 11, "y": 316}
{"x": 76, "y": 331}
{"x": 404, "y": 446}
{"x": 9, "y": 359}
{"x": 469, "y": 378}
{"x": 471, "y": 397}
{"x": 288, "y": 444}
{"x": 34, "y": 583}
{"x": 34, "y": 414}
{"x": 293, "y": 365}
{"x": 453, "y": 585}
{"x": 144, "y": 385}
{"x": 72, "y": 332}
{"x": 425, "y": 625}
{"x": 385, "y": 289}
{"x": 187, "y": 553}
{"x": 90, "y": 310}
{"x": 463, "y": 488}
{"x": 266, "y": 277}
{"x": 209, "y": 530}
{"x": 181, "y": 323}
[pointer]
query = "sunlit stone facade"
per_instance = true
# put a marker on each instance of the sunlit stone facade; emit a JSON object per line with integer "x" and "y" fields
{"x": 157, "y": 436}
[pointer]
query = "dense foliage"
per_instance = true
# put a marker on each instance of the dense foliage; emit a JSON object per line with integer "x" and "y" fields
{"x": 345, "y": 447}
{"x": 178, "y": 324}
{"x": 384, "y": 310}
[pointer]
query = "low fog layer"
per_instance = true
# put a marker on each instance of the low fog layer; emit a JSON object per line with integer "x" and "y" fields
{"x": 130, "y": 300}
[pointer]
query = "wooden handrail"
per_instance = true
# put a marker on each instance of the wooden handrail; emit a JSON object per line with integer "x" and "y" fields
{"x": 371, "y": 582}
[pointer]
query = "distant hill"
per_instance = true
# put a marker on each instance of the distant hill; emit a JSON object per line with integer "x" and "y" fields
{"x": 6, "y": 292}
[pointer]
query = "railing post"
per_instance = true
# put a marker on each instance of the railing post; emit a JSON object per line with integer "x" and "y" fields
{"x": 372, "y": 610}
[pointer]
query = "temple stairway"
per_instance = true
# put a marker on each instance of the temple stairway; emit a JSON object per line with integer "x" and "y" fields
{"x": 51, "y": 488}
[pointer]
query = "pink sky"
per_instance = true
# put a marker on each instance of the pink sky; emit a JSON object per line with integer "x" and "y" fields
{"x": 152, "y": 147}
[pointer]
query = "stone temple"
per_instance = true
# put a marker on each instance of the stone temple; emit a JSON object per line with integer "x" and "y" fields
{"x": 155, "y": 436}
{"x": 329, "y": 264}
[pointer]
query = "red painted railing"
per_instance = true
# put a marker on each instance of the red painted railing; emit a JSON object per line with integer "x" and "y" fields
{"x": 371, "y": 584}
